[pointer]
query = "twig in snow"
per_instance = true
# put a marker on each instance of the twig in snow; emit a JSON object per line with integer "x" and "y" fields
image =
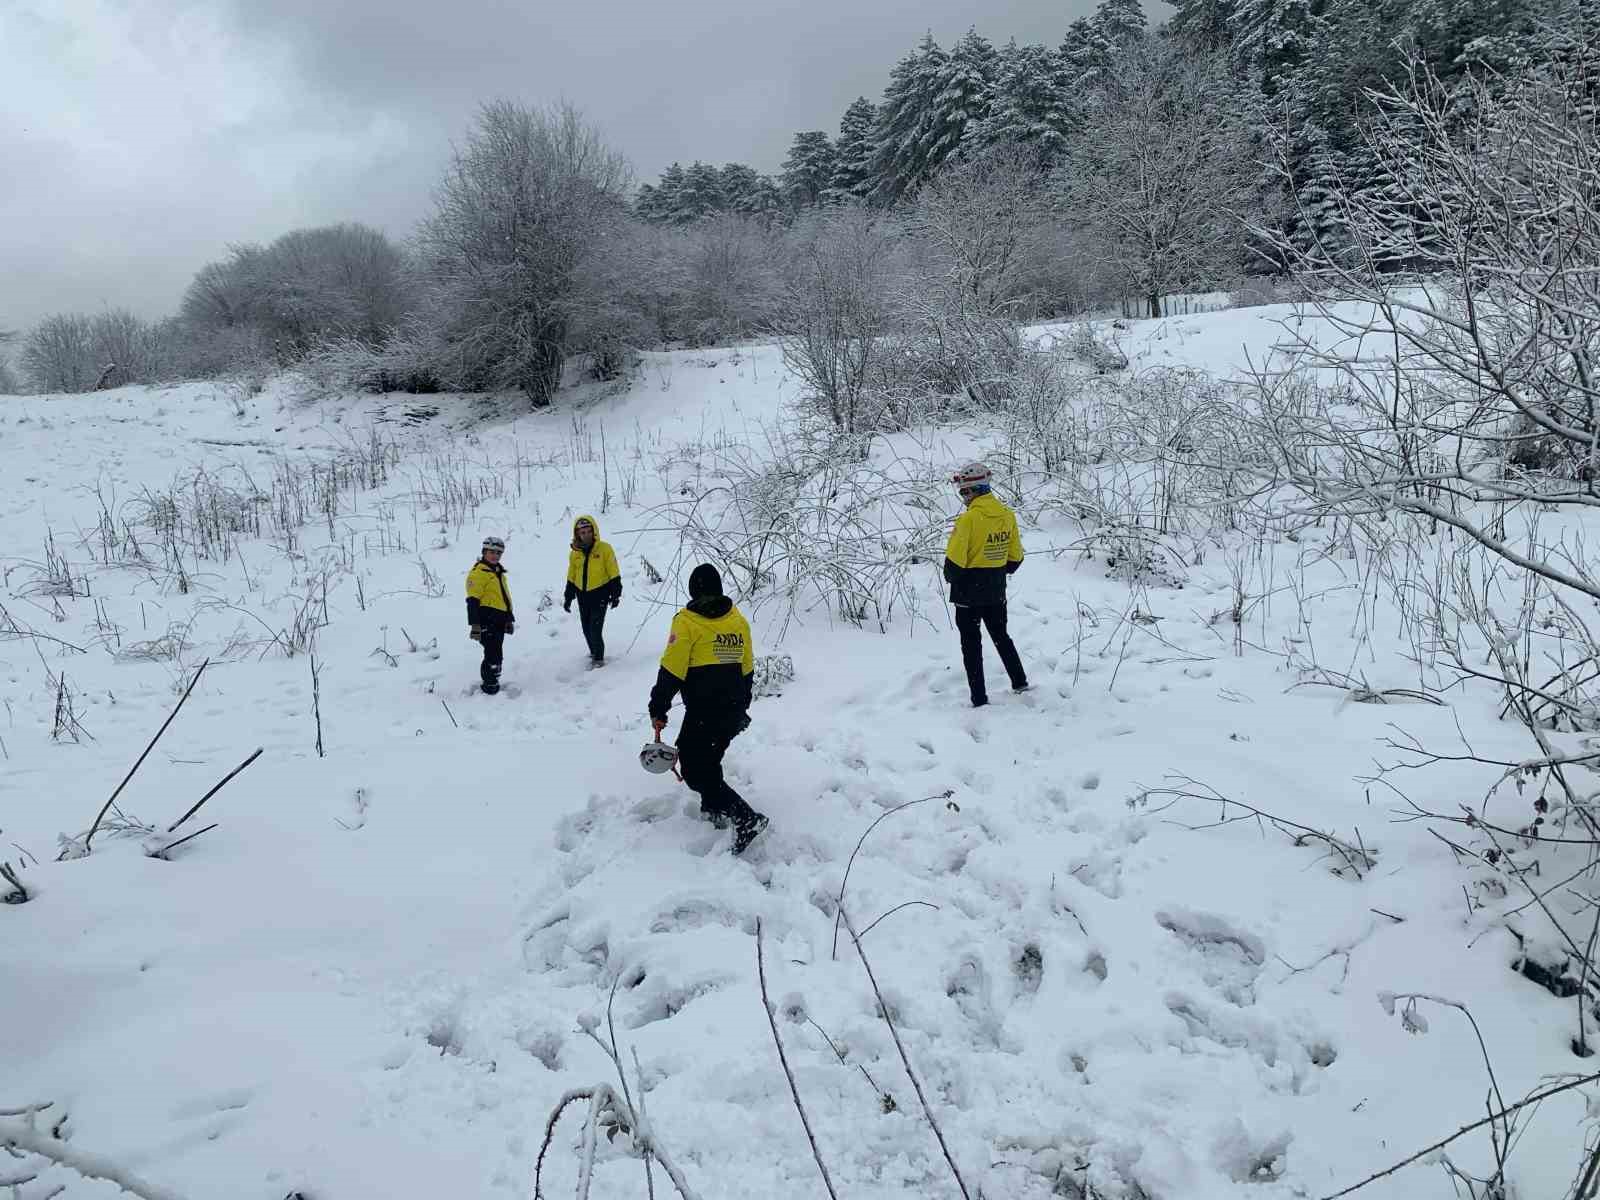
{"x": 88, "y": 837}
{"x": 845, "y": 882}
{"x": 316, "y": 700}
{"x": 603, "y": 1101}
{"x": 916, "y": 1084}
{"x": 885, "y": 1099}
{"x": 783, "y": 1059}
{"x": 226, "y": 779}
{"x": 19, "y": 893}
{"x": 188, "y": 837}
{"x": 1356, "y": 856}
{"x": 1493, "y": 1117}
{"x": 17, "y": 1133}
{"x": 894, "y": 910}
{"x": 450, "y": 714}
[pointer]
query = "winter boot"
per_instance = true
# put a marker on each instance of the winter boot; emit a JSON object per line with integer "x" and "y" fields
{"x": 748, "y": 831}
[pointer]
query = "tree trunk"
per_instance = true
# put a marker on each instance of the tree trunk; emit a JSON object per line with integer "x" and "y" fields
{"x": 1155, "y": 304}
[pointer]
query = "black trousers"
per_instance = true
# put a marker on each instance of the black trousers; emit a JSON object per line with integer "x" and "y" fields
{"x": 592, "y": 616}
{"x": 493, "y": 640}
{"x": 701, "y": 745}
{"x": 971, "y": 619}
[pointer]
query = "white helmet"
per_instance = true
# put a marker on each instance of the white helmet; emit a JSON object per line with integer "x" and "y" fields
{"x": 972, "y": 475}
{"x": 658, "y": 757}
{"x": 494, "y": 543}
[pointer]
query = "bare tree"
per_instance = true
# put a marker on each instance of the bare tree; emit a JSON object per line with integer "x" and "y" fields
{"x": 1160, "y": 176}
{"x": 336, "y": 281}
{"x": 521, "y": 209}
{"x": 839, "y": 307}
{"x": 980, "y": 226}
{"x": 58, "y": 354}
{"x": 9, "y": 384}
{"x": 1476, "y": 390}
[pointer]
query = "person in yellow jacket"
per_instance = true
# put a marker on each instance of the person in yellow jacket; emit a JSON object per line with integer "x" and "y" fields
{"x": 594, "y": 581}
{"x": 489, "y": 615}
{"x": 984, "y": 548}
{"x": 710, "y": 659}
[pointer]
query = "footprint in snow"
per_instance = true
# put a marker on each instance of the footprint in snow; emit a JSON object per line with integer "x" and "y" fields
{"x": 1228, "y": 958}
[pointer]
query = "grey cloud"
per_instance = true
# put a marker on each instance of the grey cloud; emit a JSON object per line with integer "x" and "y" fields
{"x": 143, "y": 136}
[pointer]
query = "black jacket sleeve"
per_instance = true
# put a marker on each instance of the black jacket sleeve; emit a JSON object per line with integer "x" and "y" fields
{"x": 667, "y": 685}
{"x": 1011, "y": 567}
{"x": 614, "y": 589}
{"x": 950, "y": 570}
{"x": 472, "y": 611}
{"x": 570, "y": 594}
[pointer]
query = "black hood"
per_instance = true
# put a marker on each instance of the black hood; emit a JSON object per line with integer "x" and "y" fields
{"x": 710, "y": 606}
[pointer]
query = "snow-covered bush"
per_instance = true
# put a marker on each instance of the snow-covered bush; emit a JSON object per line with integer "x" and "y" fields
{"x": 816, "y": 520}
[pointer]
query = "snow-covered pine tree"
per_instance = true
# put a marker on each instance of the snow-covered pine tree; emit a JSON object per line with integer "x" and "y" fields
{"x": 746, "y": 191}
{"x": 646, "y": 202}
{"x": 808, "y": 171}
{"x": 1202, "y": 24}
{"x": 852, "y": 153}
{"x": 1032, "y": 103}
{"x": 1270, "y": 39}
{"x": 1077, "y": 51}
{"x": 966, "y": 86}
{"x": 662, "y": 199}
{"x": 699, "y": 197}
{"x": 899, "y": 160}
{"x": 1118, "y": 23}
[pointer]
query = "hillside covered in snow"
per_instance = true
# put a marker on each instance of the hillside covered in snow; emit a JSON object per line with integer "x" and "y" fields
{"x": 1151, "y": 929}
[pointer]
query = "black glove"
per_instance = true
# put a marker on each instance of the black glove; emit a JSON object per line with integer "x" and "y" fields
{"x": 566, "y": 606}
{"x": 511, "y": 627}
{"x": 475, "y": 632}
{"x": 744, "y": 722}
{"x": 616, "y": 600}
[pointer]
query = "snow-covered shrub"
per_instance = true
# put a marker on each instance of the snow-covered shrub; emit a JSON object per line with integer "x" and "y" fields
{"x": 838, "y": 312}
{"x": 817, "y": 521}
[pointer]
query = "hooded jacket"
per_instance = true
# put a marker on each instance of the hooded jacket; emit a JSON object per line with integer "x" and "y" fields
{"x": 593, "y": 573}
{"x": 984, "y": 548}
{"x": 710, "y": 658}
{"x": 487, "y": 592}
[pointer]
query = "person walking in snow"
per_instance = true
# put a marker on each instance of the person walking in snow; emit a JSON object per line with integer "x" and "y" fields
{"x": 984, "y": 548}
{"x": 594, "y": 581}
{"x": 710, "y": 658}
{"x": 489, "y": 616}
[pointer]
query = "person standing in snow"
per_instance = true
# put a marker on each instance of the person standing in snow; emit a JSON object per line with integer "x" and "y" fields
{"x": 984, "y": 548}
{"x": 710, "y": 658}
{"x": 594, "y": 581}
{"x": 489, "y": 616}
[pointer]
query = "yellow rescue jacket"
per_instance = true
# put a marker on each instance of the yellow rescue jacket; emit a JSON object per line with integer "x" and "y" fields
{"x": 486, "y": 588}
{"x": 984, "y": 548}
{"x": 594, "y": 570}
{"x": 710, "y": 657}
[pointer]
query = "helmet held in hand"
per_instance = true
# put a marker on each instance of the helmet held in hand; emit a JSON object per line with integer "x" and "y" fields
{"x": 658, "y": 757}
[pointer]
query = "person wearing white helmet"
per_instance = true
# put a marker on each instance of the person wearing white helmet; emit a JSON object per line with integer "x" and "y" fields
{"x": 489, "y": 615}
{"x": 984, "y": 548}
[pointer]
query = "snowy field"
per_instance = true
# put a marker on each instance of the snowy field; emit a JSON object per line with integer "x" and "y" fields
{"x": 372, "y": 979}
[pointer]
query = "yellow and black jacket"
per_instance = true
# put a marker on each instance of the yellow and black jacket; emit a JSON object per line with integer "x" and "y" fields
{"x": 593, "y": 574}
{"x": 984, "y": 548}
{"x": 709, "y": 658}
{"x": 488, "y": 597}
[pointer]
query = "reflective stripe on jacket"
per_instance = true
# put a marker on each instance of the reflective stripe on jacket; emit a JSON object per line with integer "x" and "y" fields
{"x": 985, "y": 546}
{"x": 710, "y": 658}
{"x": 486, "y": 588}
{"x": 593, "y": 573}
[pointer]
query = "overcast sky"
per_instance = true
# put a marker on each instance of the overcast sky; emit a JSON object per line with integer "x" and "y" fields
{"x": 138, "y": 138}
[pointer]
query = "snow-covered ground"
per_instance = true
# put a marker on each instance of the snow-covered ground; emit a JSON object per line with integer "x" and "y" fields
{"x": 371, "y": 979}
